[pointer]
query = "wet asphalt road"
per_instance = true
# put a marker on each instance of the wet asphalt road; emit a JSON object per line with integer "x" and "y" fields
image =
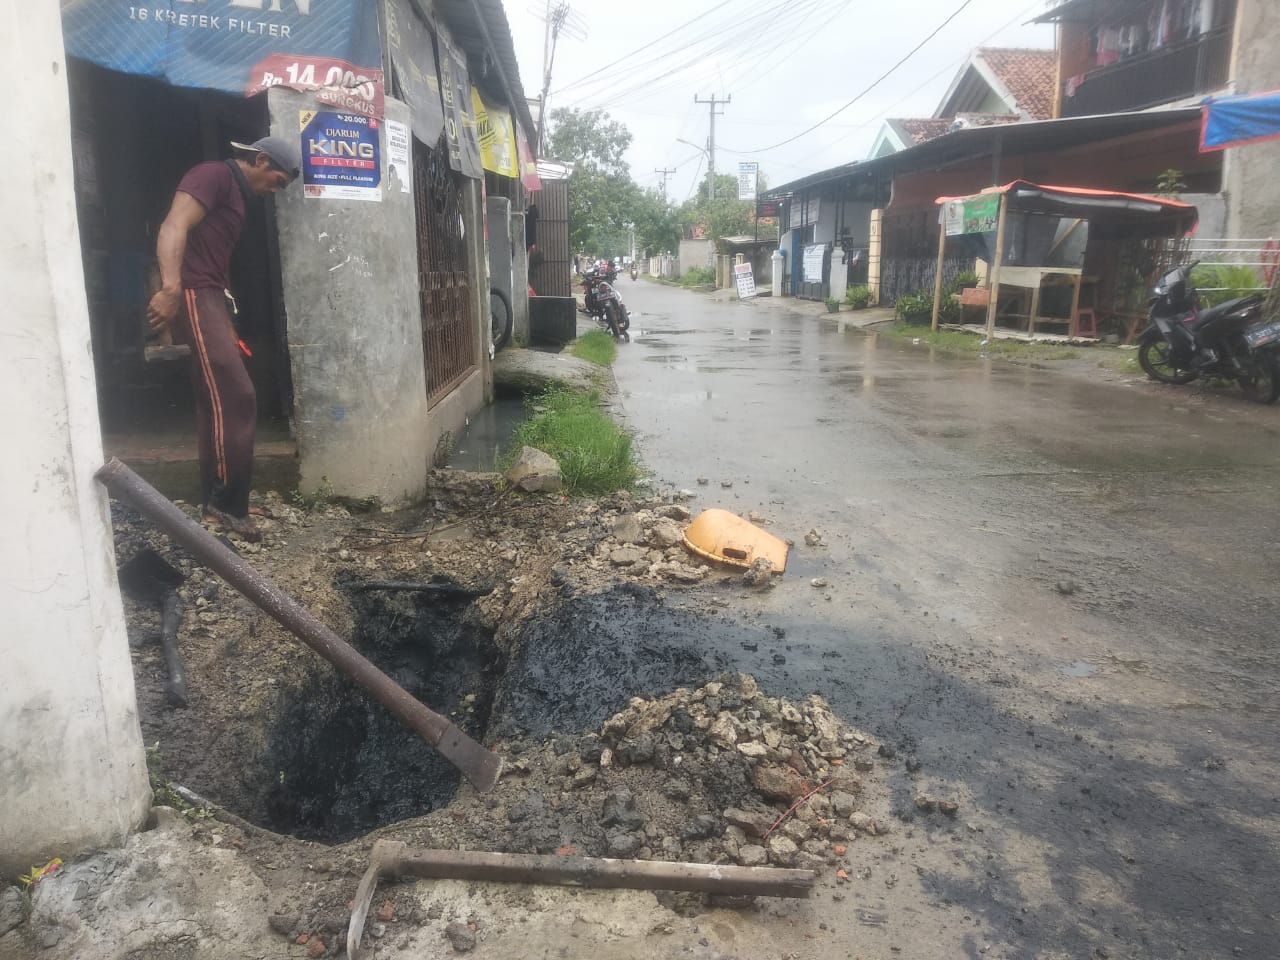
{"x": 1058, "y": 594}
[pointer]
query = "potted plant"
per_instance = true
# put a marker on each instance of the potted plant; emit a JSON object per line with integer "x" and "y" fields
{"x": 833, "y": 305}
{"x": 915, "y": 308}
{"x": 858, "y": 297}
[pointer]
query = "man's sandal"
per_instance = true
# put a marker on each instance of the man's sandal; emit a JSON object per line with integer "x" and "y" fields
{"x": 242, "y": 527}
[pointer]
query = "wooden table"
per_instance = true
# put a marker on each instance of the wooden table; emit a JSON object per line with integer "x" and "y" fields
{"x": 1033, "y": 279}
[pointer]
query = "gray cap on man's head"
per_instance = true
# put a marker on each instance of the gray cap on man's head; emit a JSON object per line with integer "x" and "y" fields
{"x": 284, "y": 153}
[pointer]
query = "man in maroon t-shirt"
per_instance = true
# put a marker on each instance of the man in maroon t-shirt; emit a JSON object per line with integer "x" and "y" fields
{"x": 194, "y": 249}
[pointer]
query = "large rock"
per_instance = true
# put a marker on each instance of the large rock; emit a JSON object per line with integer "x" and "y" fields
{"x": 532, "y": 371}
{"x": 666, "y": 533}
{"x": 627, "y": 529}
{"x": 753, "y": 823}
{"x": 535, "y": 471}
{"x": 778, "y": 783}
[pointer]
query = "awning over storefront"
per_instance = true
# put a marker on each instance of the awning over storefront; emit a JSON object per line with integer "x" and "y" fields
{"x": 1084, "y": 203}
{"x": 985, "y": 220}
{"x": 1236, "y": 121}
{"x": 332, "y": 48}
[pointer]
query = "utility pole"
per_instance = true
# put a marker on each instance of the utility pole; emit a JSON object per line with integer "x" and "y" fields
{"x": 664, "y": 173}
{"x": 711, "y": 140}
{"x": 560, "y": 18}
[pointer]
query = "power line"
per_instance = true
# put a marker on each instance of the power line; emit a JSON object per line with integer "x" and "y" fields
{"x": 654, "y": 75}
{"x": 884, "y": 76}
{"x": 947, "y": 69}
{"x": 710, "y": 27}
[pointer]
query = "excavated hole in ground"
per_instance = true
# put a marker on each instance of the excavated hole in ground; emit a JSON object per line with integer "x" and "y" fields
{"x": 338, "y": 763}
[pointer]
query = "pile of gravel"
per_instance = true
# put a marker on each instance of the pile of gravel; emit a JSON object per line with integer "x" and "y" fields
{"x": 719, "y": 774}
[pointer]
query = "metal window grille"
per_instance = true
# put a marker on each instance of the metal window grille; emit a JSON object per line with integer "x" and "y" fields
{"x": 444, "y": 282}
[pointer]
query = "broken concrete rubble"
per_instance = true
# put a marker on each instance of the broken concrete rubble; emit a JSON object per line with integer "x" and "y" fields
{"x": 535, "y": 472}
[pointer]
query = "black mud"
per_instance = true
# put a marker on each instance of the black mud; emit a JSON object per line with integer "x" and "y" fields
{"x": 338, "y": 763}
{"x": 588, "y": 657}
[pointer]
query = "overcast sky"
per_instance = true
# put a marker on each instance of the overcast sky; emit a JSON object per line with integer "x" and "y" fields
{"x": 787, "y": 63}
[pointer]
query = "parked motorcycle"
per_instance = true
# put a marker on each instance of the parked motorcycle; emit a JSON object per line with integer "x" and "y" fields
{"x": 1184, "y": 343}
{"x": 603, "y": 302}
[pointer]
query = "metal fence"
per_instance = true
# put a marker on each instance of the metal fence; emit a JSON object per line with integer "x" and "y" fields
{"x": 1242, "y": 257}
{"x": 444, "y": 281}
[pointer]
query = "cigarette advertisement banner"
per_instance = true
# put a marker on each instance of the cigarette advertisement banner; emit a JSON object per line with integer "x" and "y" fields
{"x": 459, "y": 117}
{"x": 341, "y": 159}
{"x": 497, "y": 136}
{"x": 413, "y": 58}
{"x": 329, "y": 46}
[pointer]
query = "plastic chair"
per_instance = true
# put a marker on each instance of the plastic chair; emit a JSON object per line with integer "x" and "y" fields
{"x": 1086, "y": 324}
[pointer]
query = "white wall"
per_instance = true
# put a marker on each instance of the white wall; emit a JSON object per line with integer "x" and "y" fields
{"x": 72, "y": 771}
{"x": 854, "y": 216}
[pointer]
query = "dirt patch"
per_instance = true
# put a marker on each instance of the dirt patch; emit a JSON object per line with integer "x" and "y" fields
{"x": 540, "y": 630}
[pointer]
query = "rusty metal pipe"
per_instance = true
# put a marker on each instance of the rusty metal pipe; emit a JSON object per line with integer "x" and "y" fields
{"x": 480, "y": 766}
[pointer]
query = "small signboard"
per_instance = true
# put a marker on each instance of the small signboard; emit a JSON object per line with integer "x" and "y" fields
{"x": 768, "y": 208}
{"x": 978, "y": 214}
{"x": 745, "y": 280}
{"x": 341, "y": 159}
{"x": 399, "y": 180}
{"x": 813, "y": 257}
{"x": 748, "y": 176}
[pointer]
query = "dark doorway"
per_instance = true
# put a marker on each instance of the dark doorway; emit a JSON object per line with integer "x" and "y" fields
{"x": 132, "y": 140}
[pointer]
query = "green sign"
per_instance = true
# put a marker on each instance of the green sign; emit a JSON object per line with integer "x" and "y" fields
{"x": 981, "y": 213}
{"x": 978, "y": 214}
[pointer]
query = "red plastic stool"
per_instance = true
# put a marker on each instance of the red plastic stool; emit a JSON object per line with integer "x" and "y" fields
{"x": 1086, "y": 324}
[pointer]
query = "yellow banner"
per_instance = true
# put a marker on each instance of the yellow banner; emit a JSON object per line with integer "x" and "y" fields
{"x": 497, "y": 135}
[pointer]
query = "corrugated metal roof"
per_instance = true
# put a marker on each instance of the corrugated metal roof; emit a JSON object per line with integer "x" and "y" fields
{"x": 460, "y": 16}
{"x": 965, "y": 144}
{"x": 1083, "y": 10}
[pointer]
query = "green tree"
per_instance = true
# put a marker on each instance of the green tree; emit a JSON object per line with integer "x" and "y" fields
{"x": 605, "y": 204}
{"x": 657, "y": 223}
{"x": 724, "y": 216}
{"x": 590, "y": 139}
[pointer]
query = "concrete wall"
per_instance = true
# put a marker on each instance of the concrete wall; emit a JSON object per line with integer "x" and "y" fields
{"x": 520, "y": 280}
{"x": 350, "y": 273}
{"x": 1212, "y": 208}
{"x": 71, "y": 760}
{"x": 1253, "y": 192}
{"x": 854, "y": 217}
{"x": 695, "y": 253}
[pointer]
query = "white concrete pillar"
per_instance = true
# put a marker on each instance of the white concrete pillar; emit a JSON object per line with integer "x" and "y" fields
{"x": 873, "y": 255}
{"x": 839, "y": 279}
{"x": 519, "y": 281}
{"x": 777, "y": 259}
{"x": 72, "y": 769}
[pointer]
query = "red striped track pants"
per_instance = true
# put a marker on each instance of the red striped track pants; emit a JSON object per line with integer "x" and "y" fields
{"x": 226, "y": 406}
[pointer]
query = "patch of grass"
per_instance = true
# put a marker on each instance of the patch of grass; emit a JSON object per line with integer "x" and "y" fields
{"x": 697, "y": 277}
{"x": 594, "y": 452}
{"x": 956, "y": 341}
{"x": 324, "y": 497}
{"x": 1220, "y": 282}
{"x": 1121, "y": 361}
{"x": 596, "y": 346}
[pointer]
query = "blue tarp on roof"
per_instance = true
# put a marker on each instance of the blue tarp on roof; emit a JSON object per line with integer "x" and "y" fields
{"x": 1235, "y": 121}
